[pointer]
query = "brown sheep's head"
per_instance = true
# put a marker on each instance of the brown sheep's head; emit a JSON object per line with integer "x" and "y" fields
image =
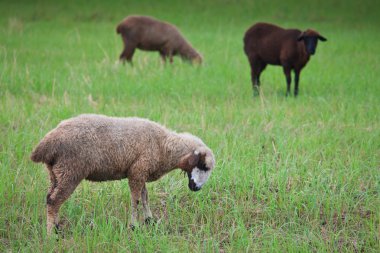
{"x": 198, "y": 166}
{"x": 197, "y": 59}
{"x": 310, "y": 39}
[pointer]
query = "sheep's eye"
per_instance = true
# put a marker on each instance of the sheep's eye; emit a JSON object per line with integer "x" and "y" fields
{"x": 202, "y": 166}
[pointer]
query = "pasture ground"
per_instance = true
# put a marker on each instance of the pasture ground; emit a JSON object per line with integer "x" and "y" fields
{"x": 292, "y": 175}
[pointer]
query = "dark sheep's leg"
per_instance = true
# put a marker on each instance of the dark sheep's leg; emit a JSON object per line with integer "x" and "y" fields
{"x": 287, "y": 72}
{"x": 65, "y": 187}
{"x": 169, "y": 53}
{"x": 127, "y": 55}
{"x": 163, "y": 57}
{"x": 147, "y": 213}
{"x": 255, "y": 75}
{"x": 166, "y": 52}
{"x": 296, "y": 80}
{"x": 129, "y": 50}
{"x": 256, "y": 86}
{"x": 171, "y": 58}
{"x": 260, "y": 70}
{"x": 255, "y": 81}
{"x": 123, "y": 56}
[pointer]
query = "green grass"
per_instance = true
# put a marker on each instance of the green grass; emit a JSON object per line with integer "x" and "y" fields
{"x": 292, "y": 175}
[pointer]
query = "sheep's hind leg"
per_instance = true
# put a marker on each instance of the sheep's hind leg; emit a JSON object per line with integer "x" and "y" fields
{"x": 257, "y": 66}
{"x": 136, "y": 190}
{"x": 256, "y": 84}
{"x": 261, "y": 68}
{"x": 147, "y": 213}
{"x": 127, "y": 53}
{"x": 55, "y": 199}
{"x": 53, "y": 182}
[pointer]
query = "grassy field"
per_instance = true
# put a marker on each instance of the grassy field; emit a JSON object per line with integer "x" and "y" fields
{"x": 292, "y": 175}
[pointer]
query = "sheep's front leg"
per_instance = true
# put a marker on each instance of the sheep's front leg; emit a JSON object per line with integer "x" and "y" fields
{"x": 163, "y": 57}
{"x": 147, "y": 213}
{"x": 287, "y": 73}
{"x": 167, "y": 52}
{"x": 296, "y": 79}
{"x": 136, "y": 190}
{"x": 171, "y": 57}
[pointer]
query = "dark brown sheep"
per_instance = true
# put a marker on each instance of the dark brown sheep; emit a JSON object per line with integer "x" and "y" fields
{"x": 147, "y": 33}
{"x": 269, "y": 44}
{"x": 101, "y": 148}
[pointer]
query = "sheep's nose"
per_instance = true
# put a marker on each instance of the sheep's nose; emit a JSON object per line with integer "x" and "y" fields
{"x": 311, "y": 51}
{"x": 196, "y": 188}
{"x": 193, "y": 187}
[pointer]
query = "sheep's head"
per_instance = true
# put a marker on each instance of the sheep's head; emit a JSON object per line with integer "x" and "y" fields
{"x": 197, "y": 59}
{"x": 310, "y": 39}
{"x": 198, "y": 166}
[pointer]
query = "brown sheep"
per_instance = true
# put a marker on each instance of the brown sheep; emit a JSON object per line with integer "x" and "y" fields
{"x": 269, "y": 44}
{"x": 147, "y": 33}
{"x": 100, "y": 148}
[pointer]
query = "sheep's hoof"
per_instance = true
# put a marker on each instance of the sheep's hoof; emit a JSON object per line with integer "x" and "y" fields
{"x": 134, "y": 227}
{"x": 58, "y": 232}
{"x": 150, "y": 221}
{"x": 57, "y": 229}
{"x": 256, "y": 91}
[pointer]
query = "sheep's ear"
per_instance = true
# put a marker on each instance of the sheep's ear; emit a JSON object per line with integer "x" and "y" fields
{"x": 321, "y": 38}
{"x": 194, "y": 159}
{"x": 190, "y": 161}
{"x": 300, "y": 37}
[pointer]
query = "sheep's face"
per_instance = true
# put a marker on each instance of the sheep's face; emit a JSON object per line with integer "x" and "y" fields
{"x": 197, "y": 60}
{"x": 197, "y": 177}
{"x": 310, "y": 39}
{"x": 198, "y": 167}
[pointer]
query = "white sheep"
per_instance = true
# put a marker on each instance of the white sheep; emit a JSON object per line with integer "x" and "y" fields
{"x": 101, "y": 148}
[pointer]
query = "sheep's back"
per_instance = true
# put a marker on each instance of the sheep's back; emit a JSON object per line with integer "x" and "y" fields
{"x": 95, "y": 142}
{"x": 270, "y": 42}
{"x": 150, "y": 33}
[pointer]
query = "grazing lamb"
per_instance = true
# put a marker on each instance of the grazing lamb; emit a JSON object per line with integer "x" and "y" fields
{"x": 147, "y": 33}
{"x": 269, "y": 44}
{"x": 101, "y": 148}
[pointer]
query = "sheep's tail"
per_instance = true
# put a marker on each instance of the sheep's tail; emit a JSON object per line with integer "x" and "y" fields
{"x": 247, "y": 42}
{"x": 44, "y": 153}
{"x": 119, "y": 28}
{"x": 123, "y": 28}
